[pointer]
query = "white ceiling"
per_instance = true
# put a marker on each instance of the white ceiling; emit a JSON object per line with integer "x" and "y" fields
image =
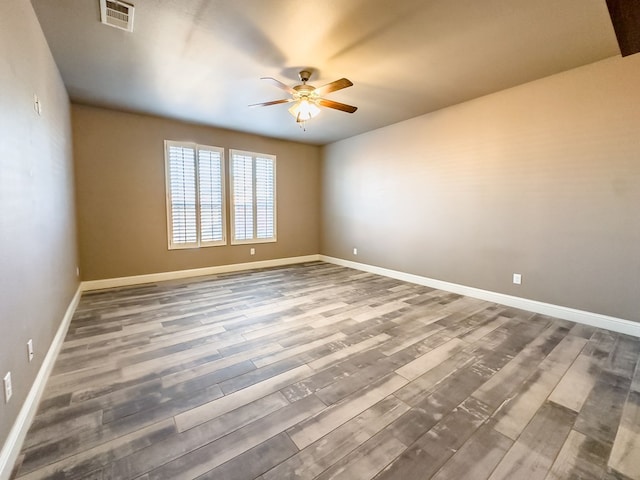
{"x": 201, "y": 60}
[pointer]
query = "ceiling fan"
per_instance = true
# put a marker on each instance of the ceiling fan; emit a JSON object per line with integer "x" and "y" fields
{"x": 308, "y": 98}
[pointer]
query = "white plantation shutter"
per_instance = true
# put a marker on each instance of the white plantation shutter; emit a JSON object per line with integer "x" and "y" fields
{"x": 253, "y": 197}
{"x": 265, "y": 199}
{"x": 242, "y": 197}
{"x": 211, "y": 189}
{"x": 182, "y": 195}
{"x": 195, "y": 195}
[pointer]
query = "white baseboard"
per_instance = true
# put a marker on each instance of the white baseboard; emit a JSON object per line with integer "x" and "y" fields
{"x": 195, "y": 272}
{"x": 579, "y": 316}
{"x": 13, "y": 443}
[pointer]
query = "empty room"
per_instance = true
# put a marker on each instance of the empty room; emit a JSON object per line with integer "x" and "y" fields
{"x": 330, "y": 239}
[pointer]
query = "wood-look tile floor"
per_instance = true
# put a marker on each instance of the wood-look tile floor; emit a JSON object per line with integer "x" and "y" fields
{"x": 318, "y": 371}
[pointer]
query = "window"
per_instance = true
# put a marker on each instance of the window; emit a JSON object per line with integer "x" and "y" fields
{"x": 195, "y": 195}
{"x": 253, "y": 197}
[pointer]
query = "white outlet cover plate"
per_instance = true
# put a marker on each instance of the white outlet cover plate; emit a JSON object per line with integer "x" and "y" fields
{"x": 8, "y": 390}
{"x": 517, "y": 278}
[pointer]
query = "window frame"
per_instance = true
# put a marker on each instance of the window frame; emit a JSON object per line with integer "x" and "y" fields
{"x": 196, "y": 149}
{"x": 232, "y": 203}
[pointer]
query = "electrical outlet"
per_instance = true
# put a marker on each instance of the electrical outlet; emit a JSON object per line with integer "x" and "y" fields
{"x": 8, "y": 391}
{"x": 252, "y": 251}
{"x": 77, "y": 271}
{"x": 37, "y": 105}
{"x": 30, "y": 349}
{"x": 517, "y": 278}
{"x": 355, "y": 251}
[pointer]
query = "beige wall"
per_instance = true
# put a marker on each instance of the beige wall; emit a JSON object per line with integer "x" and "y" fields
{"x": 542, "y": 180}
{"x": 120, "y": 185}
{"x": 37, "y": 224}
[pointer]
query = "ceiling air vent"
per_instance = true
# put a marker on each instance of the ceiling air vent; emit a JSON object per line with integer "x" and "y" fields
{"x": 117, "y": 14}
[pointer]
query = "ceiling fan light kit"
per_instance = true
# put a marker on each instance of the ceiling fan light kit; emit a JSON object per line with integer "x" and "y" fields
{"x": 307, "y": 98}
{"x": 303, "y": 110}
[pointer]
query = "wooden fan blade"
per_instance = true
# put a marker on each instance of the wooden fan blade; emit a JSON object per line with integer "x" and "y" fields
{"x": 279, "y": 84}
{"x": 337, "y": 105}
{"x": 274, "y": 102}
{"x": 333, "y": 86}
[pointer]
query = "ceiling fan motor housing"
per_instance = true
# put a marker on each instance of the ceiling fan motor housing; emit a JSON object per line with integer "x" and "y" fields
{"x": 304, "y": 90}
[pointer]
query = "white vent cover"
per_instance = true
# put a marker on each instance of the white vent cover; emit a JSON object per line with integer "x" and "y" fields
{"x": 117, "y": 14}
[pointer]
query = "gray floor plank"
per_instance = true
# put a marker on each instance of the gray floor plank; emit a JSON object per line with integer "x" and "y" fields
{"x": 254, "y": 461}
{"x": 478, "y": 456}
{"x": 625, "y": 456}
{"x": 516, "y": 413}
{"x": 200, "y": 461}
{"x": 325, "y": 452}
{"x": 580, "y": 457}
{"x": 310, "y": 430}
{"x": 533, "y": 454}
{"x": 176, "y": 445}
{"x": 427, "y": 454}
